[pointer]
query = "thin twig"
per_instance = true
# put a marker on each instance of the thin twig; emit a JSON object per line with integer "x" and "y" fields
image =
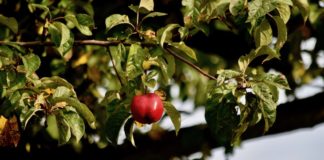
{"x": 76, "y": 43}
{"x": 108, "y": 43}
{"x": 114, "y": 66}
{"x": 190, "y": 64}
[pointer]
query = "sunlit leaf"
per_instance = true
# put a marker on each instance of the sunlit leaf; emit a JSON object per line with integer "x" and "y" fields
{"x": 282, "y": 32}
{"x": 284, "y": 12}
{"x": 154, "y": 14}
{"x": 60, "y": 33}
{"x": 82, "y": 22}
{"x": 116, "y": 19}
{"x": 263, "y": 34}
{"x": 147, "y": 4}
{"x": 129, "y": 130}
{"x": 31, "y": 62}
{"x": 185, "y": 49}
{"x": 303, "y": 7}
{"x": 259, "y": 8}
{"x": 165, "y": 34}
{"x": 277, "y": 80}
{"x": 236, "y": 6}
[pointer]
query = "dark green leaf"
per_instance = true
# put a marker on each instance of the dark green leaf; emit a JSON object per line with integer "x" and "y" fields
{"x": 60, "y": 33}
{"x": 114, "y": 124}
{"x": 25, "y": 117}
{"x": 174, "y": 115}
{"x": 66, "y": 47}
{"x": 222, "y": 118}
{"x": 31, "y": 62}
{"x": 9, "y": 22}
{"x": 129, "y": 130}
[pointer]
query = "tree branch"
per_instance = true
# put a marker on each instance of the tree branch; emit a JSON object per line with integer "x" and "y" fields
{"x": 190, "y": 64}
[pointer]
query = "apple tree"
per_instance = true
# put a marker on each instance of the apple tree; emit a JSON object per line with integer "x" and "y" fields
{"x": 80, "y": 73}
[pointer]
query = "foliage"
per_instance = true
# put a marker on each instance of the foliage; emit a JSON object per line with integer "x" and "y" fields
{"x": 46, "y": 76}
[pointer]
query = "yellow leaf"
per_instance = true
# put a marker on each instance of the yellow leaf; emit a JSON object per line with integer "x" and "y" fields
{"x": 3, "y": 121}
{"x": 82, "y": 60}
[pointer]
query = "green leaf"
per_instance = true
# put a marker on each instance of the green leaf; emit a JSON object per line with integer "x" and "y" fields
{"x": 171, "y": 66}
{"x": 266, "y": 50}
{"x": 32, "y": 8}
{"x": 147, "y": 4}
{"x": 60, "y": 33}
{"x": 259, "y": 8}
{"x": 116, "y": 19}
{"x": 236, "y": 6}
{"x": 52, "y": 128}
{"x": 63, "y": 91}
{"x": 66, "y": 47}
{"x": 263, "y": 34}
{"x": 185, "y": 49}
{"x": 154, "y": 14}
{"x": 174, "y": 115}
{"x": 129, "y": 130}
{"x": 222, "y": 118}
{"x": 25, "y": 117}
{"x": 63, "y": 128}
{"x": 245, "y": 60}
{"x": 82, "y": 22}
{"x": 282, "y": 32}
{"x": 277, "y": 80}
{"x": 266, "y": 103}
{"x": 118, "y": 53}
{"x": 262, "y": 91}
{"x": 284, "y": 12}
{"x": 75, "y": 122}
{"x": 268, "y": 113}
{"x": 114, "y": 124}
{"x": 134, "y": 61}
{"x": 31, "y": 63}
{"x": 9, "y": 22}
{"x": 165, "y": 34}
{"x": 81, "y": 108}
{"x": 303, "y": 6}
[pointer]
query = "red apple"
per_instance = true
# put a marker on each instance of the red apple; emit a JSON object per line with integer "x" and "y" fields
{"x": 147, "y": 108}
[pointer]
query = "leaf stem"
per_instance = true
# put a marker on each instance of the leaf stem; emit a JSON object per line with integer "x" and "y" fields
{"x": 189, "y": 63}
